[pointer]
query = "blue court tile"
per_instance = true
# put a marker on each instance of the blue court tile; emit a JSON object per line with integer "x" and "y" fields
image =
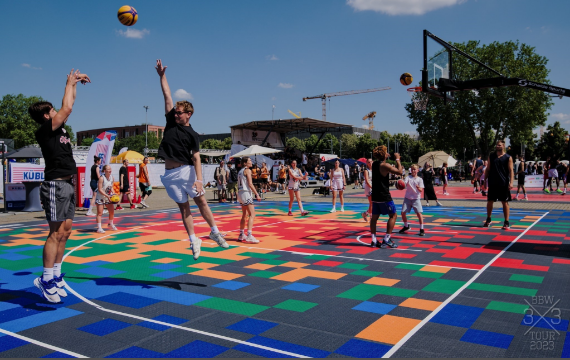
{"x": 17, "y": 313}
{"x": 545, "y": 322}
{"x": 231, "y": 285}
{"x": 165, "y": 266}
{"x": 197, "y": 349}
{"x": 487, "y": 338}
{"x": 39, "y": 319}
{"x": 129, "y": 300}
{"x": 96, "y": 263}
{"x": 36, "y": 247}
{"x": 285, "y": 346}
{"x": 57, "y": 355}
{"x": 300, "y": 287}
{"x": 168, "y": 274}
{"x": 374, "y": 307}
{"x": 9, "y": 342}
{"x": 457, "y": 315}
{"x": 14, "y": 256}
{"x": 102, "y": 272}
{"x": 252, "y": 326}
{"x": 260, "y": 352}
{"x": 164, "y": 318}
{"x": 8, "y": 305}
{"x": 136, "y": 352}
{"x": 566, "y": 348}
{"x": 104, "y": 327}
{"x": 362, "y": 349}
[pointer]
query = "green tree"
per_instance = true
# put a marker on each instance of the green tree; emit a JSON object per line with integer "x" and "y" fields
{"x": 88, "y": 142}
{"x": 348, "y": 142}
{"x": 211, "y": 144}
{"x": 364, "y": 146}
{"x": 136, "y": 143}
{"x": 481, "y": 117}
{"x": 295, "y": 143}
{"x": 227, "y": 143}
{"x": 551, "y": 143}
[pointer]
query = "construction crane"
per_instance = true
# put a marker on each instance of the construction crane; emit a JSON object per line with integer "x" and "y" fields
{"x": 370, "y": 116}
{"x": 295, "y": 115}
{"x": 324, "y": 97}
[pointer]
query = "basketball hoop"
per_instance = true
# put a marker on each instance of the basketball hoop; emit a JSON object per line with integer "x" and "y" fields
{"x": 419, "y": 98}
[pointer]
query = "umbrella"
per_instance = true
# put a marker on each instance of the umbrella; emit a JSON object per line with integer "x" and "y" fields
{"x": 27, "y": 152}
{"x": 437, "y": 158}
{"x": 133, "y": 157}
{"x": 362, "y": 160}
{"x": 255, "y": 150}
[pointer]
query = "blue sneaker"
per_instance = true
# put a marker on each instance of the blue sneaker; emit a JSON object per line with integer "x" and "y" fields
{"x": 60, "y": 284}
{"x": 390, "y": 243}
{"x": 48, "y": 289}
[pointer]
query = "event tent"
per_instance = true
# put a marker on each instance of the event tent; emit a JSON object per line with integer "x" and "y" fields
{"x": 133, "y": 157}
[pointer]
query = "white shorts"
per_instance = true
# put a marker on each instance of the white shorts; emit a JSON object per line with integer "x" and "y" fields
{"x": 553, "y": 173}
{"x": 294, "y": 185}
{"x": 367, "y": 191}
{"x": 179, "y": 183}
{"x": 245, "y": 197}
{"x": 221, "y": 187}
{"x": 410, "y": 204}
{"x": 337, "y": 185}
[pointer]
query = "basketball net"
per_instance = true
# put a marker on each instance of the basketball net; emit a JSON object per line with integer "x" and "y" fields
{"x": 419, "y": 98}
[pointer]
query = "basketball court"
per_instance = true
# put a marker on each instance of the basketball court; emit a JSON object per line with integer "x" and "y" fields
{"x": 312, "y": 288}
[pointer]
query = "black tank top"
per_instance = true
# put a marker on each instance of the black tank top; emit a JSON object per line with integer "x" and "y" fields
{"x": 499, "y": 173}
{"x": 94, "y": 172}
{"x": 380, "y": 184}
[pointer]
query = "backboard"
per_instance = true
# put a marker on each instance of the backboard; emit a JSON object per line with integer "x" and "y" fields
{"x": 438, "y": 64}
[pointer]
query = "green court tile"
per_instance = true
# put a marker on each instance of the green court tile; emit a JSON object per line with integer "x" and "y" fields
{"x": 96, "y": 249}
{"x": 409, "y": 266}
{"x": 507, "y": 307}
{"x": 15, "y": 232}
{"x": 295, "y": 305}
{"x": 160, "y": 242}
{"x": 444, "y": 286}
{"x": 318, "y": 257}
{"x": 212, "y": 260}
{"x": 232, "y": 306}
{"x": 503, "y": 289}
{"x": 527, "y": 278}
{"x": 366, "y": 273}
{"x": 17, "y": 265}
{"x": 273, "y": 262}
{"x": 259, "y": 255}
{"x": 428, "y": 274}
{"x": 264, "y": 274}
{"x": 214, "y": 249}
{"x": 366, "y": 291}
{"x": 352, "y": 266}
{"x": 124, "y": 236}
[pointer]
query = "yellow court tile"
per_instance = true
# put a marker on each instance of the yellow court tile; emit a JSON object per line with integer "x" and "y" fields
{"x": 165, "y": 260}
{"x": 429, "y": 305}
{"x": 388, "y": 329}
{"x": 437, "y": 269}
{"x": 381, "y": 281}
{"x": 221, "y": 275}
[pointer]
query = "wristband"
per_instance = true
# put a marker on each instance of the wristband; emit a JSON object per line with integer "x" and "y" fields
{"x": 397, "y": 159}
{"x": 200, "y": 181}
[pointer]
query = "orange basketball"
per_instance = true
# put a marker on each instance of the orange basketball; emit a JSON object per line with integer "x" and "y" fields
{"x": 127, "y": 15}
{"x": 400, "y": 184}
{"x": 406, "y": 79}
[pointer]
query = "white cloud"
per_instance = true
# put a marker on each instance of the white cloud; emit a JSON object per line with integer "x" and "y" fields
{"x": 401, "y": 7}
{"x": 285, "y": 85}
{"x": 30, "y": 66}
{"x": 273, "y": 98}
{"x": 271, "y": 57}
{"x": 133, "y": 33}
{"x": 183, "y": 94}
{"x": 565, "y": 118}
{"x": 27, "y": 65}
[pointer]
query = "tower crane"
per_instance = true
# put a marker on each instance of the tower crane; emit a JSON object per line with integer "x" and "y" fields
{"x": 370, "y": 116}
{"x": 324, "y": 97}
{"x": 295, "y": 115}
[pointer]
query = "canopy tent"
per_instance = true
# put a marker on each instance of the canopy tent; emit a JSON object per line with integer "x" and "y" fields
{"x": 255, "y": 150}
{"x": 436, "y": 159}
{"x": 329, "y": 164}
{"x": 27, "y": 152}
{"x": 133, "y": 157}
{"x": 213, "y": 152}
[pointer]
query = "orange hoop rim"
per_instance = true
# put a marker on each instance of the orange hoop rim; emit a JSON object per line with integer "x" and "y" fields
{"x": 415, "y": 89}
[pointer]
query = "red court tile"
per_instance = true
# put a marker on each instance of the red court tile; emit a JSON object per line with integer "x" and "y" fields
{"x": 457, "y": 264}
{"x": 403, "y": 256}
{"x": 328, "y": 263}
{"x": 561, "y": 261}
{"x": 517, "y": 264}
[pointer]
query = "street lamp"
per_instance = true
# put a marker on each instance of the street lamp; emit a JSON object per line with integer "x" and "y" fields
{"x": 146, "y": 132}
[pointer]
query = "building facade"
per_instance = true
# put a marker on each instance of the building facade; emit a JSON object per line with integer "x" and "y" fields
{"x": 122, "y": 132}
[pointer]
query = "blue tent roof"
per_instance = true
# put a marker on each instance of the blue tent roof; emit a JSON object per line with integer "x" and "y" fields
{"x": 349, "y": 162}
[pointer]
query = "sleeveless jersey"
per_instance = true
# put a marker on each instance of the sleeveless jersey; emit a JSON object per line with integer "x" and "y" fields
{"x": 380, "y": 184}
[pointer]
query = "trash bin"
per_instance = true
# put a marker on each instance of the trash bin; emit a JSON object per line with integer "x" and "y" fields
{"x": 33, "y": 202}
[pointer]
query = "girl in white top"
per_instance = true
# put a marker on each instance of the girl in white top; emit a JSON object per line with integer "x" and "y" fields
{"x": 245, "y": 190}
{"x": 368, "y": 188}
{"x": 338, "y": 184}
{"x": 295, "y": 176}
{"x": 104, "y": 193}
{"x": 414, "y": 188}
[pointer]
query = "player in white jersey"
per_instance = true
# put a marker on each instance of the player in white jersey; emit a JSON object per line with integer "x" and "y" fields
{"x": 295, "y": 177}
{"x": 338, "y": 184}
{"x": 368, "y": 188}
{"x": 414, "y": 188}
{"x": 245, "y": 192}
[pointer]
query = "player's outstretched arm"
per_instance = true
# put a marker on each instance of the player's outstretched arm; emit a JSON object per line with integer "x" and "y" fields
{"x": 68, "y": 97}
{"x": 168, "y": 104}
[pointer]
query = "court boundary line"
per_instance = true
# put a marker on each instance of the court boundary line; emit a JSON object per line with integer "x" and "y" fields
{"x": 42, "y": 344}
{"x": 416, "y": 328}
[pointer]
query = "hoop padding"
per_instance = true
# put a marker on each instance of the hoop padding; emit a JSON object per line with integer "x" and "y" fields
{"x": 419, "y": 98}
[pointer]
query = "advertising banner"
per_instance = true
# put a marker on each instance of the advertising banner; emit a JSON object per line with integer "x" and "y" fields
{"x": 103, "y": 148}
{"x": 533, "y": 181}
{"x": 255, "y": 137}
{"x": 327, "y": 157}
{"x": 20, "y": 172}
{"x": 15, "y": 196}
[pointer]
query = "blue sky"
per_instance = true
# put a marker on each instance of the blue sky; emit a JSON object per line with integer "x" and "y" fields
{"x": 236, "y": 59}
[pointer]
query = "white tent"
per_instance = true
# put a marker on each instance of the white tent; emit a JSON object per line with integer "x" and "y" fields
{"x": 436, "y": 159}
{"x": 256, "y": 150}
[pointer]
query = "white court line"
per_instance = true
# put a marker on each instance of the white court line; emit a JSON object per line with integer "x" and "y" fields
{"x": 400, "y": 343}
{"x": 366, "y": 244}
{"x": 39, "y": 343}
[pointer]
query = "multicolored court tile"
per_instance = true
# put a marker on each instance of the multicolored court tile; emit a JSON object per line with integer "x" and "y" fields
{"x": 312, "y": 288}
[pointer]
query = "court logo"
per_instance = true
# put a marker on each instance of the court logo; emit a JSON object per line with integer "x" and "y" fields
{"x": 544, "y": 325}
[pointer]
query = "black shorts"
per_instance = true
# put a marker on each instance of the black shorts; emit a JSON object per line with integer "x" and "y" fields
{"x": 521, "y": 179}
{"x": 263, "y": 181}
{"x": 58, "y": 200}
{"x": 126, "y": 189}
{"x": 93, "y": 185}
{"x": 498, "y": 193}
{"x": 281, "y": 181}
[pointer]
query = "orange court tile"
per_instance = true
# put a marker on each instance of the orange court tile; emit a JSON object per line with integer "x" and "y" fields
{"x": 421, "y": 304}
{"x": 293, "y": 264}
{"x": 203, "y": 265}
{"x": 214, "y": 274}
{"x": 165, "y": 260}
{"x": 388, "y": 329}
{"x": 381, "y": 281}
{"x": 299, "y": 274}
{"x": 437, "y": 269}
{"x": 259, "y": 266}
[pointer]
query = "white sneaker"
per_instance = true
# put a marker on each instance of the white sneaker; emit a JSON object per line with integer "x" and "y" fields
{"x": 219, "y": 239}
{"x": 112, "y": 226}
{"x": 333, "y": 210}
{"x": 251, "y": 240}
{"x": 196, "y": 245}
{"x": 100, "y": 231}
{"x": 144, "y": 205}
{"x": 48, "y": 289}
{"x": 241, "y": 237}
{"x": 105, "y": 211}
{"x": 342, "y": 209}
{"x": 90, "y": 213}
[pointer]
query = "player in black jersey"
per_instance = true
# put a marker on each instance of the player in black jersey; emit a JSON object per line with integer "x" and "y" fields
{"x": 500, "y": 175}
{"x": 57, "y": 192}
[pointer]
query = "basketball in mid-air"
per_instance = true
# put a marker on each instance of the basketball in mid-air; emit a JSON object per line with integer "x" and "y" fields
{"x": 406, "y": 79}
{"x": 400, "y": 184}
{"x": 127, "y": 15}
{"x": 115, "y": 199}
